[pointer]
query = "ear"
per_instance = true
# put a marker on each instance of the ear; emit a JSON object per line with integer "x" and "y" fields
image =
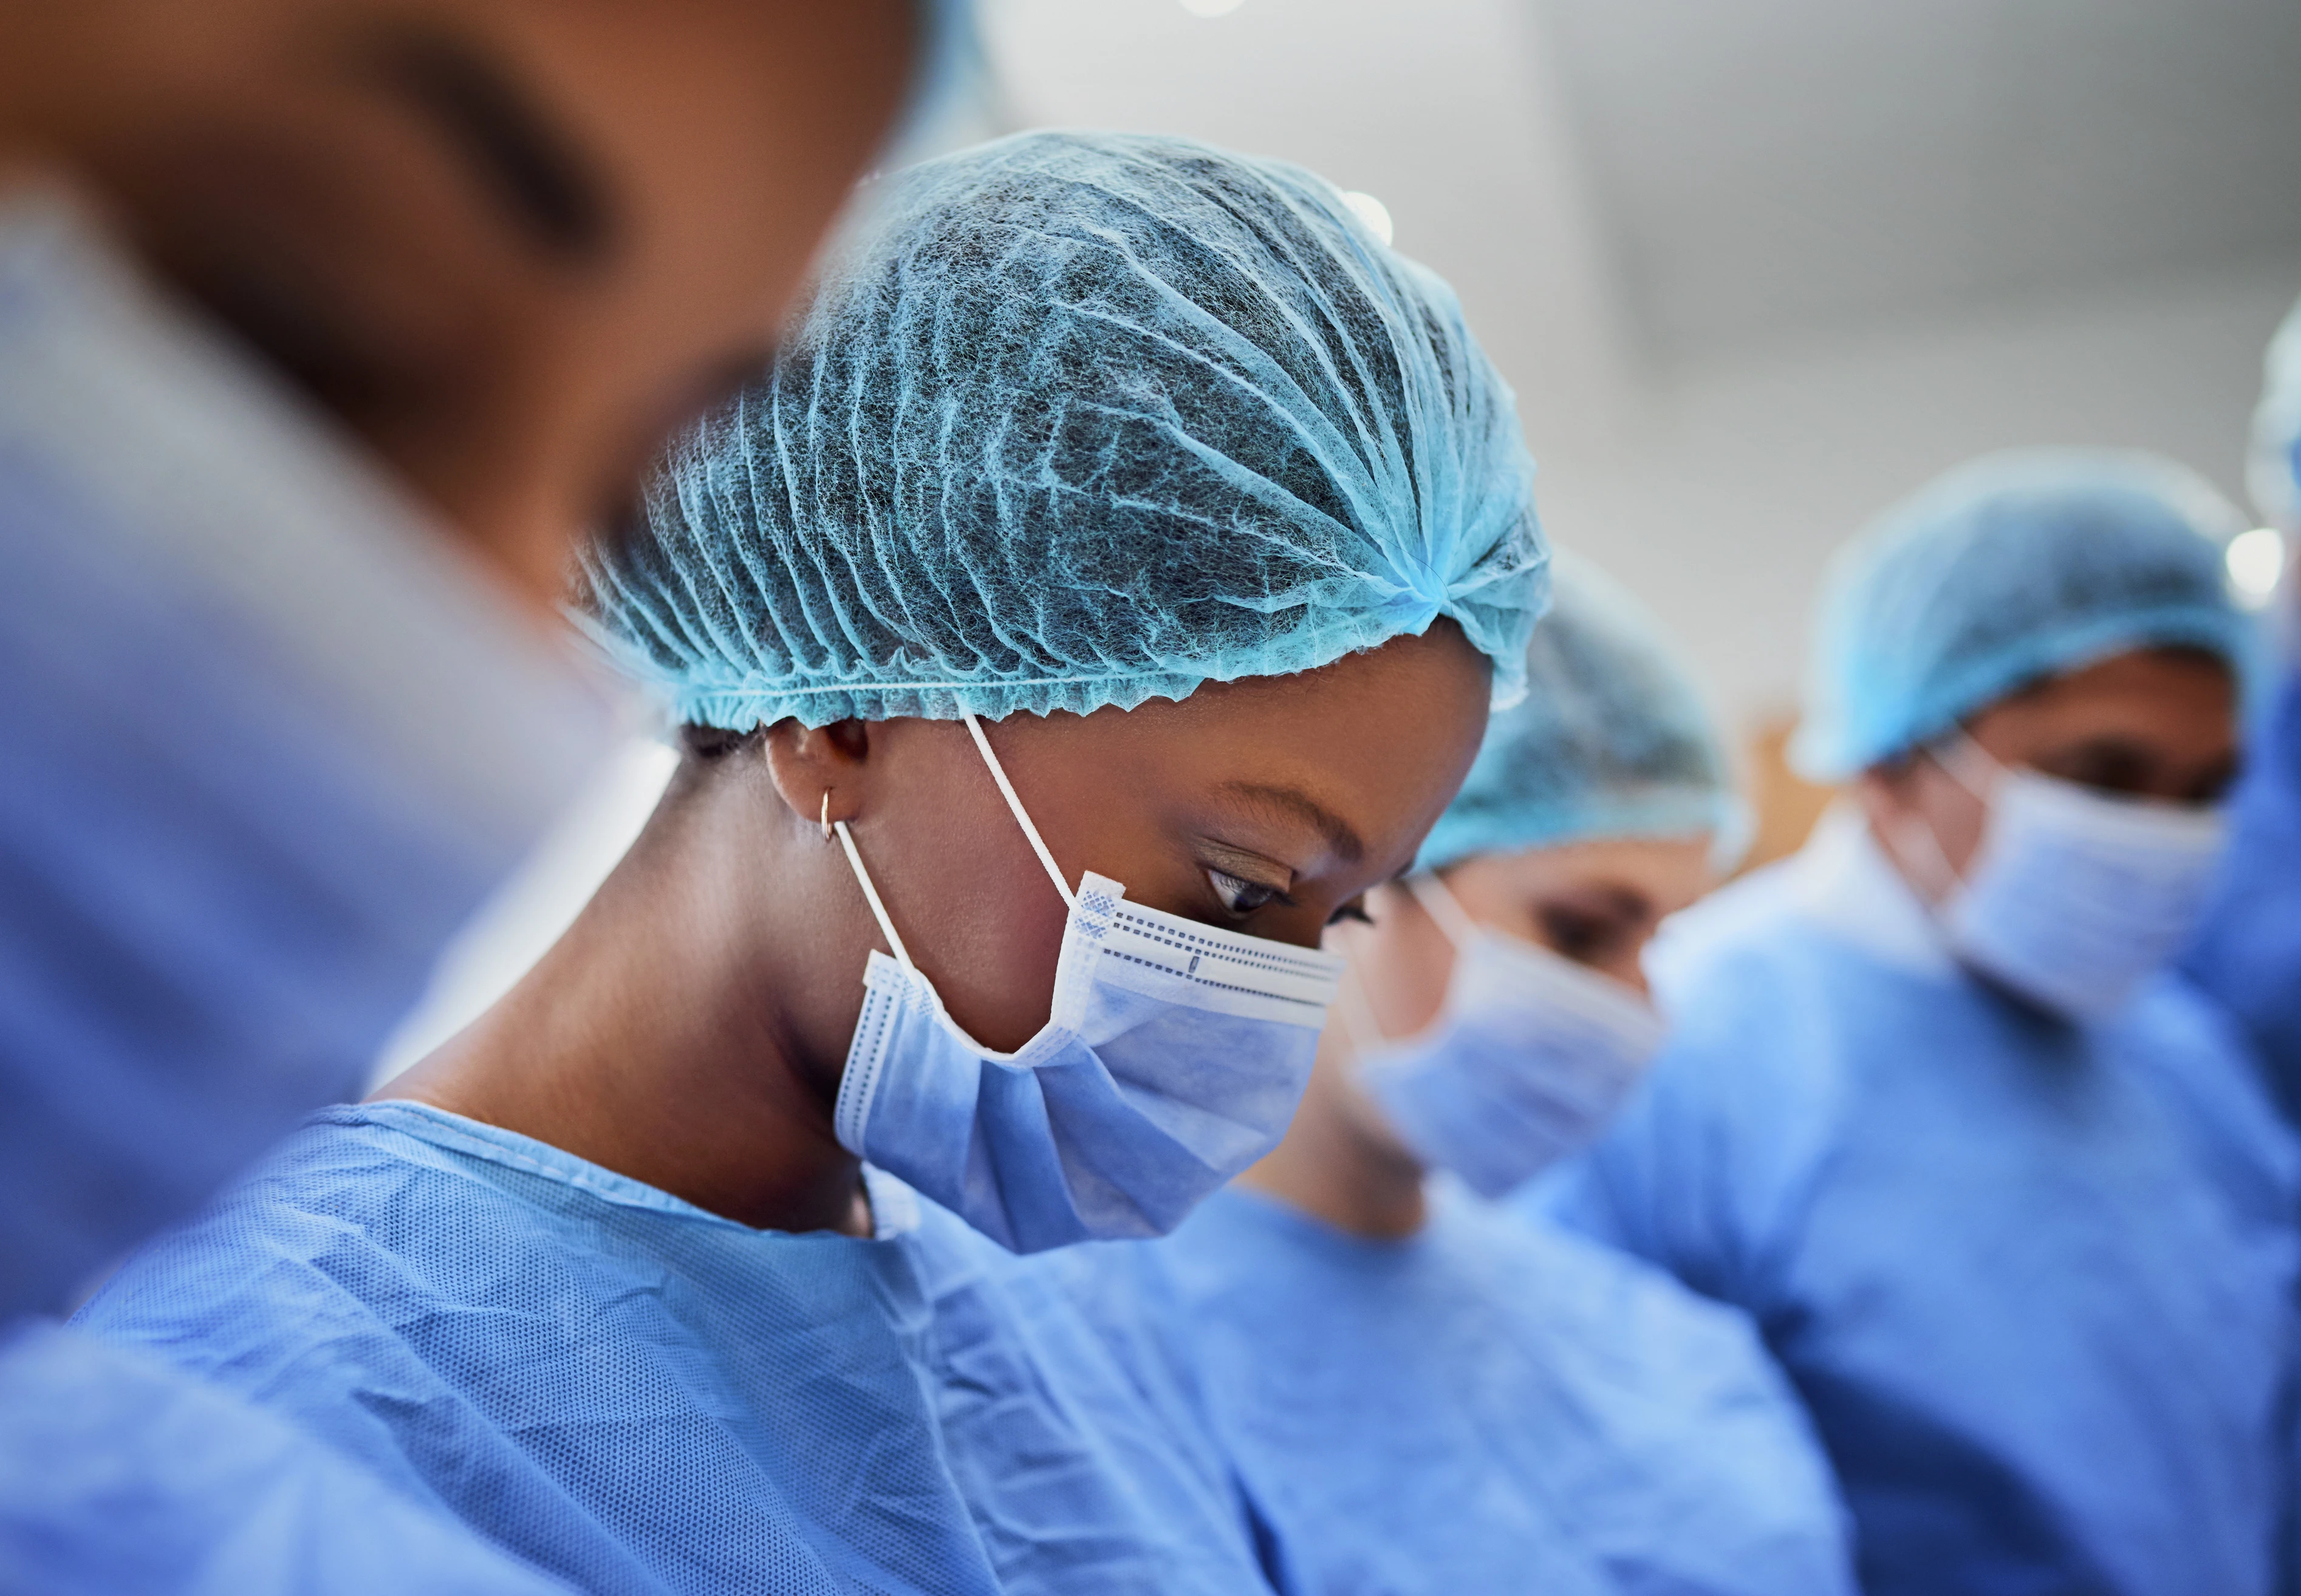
{"x": 819, "y": 771}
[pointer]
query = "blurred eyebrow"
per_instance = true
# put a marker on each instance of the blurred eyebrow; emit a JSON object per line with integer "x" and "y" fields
{"x": 534, "y": 171}
{"x": 1296, "y": 805}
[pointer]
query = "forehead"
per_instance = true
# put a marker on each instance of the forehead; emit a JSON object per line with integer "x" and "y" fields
{"x": 2185, "y": 694}
{"x": 1662, "y": 868}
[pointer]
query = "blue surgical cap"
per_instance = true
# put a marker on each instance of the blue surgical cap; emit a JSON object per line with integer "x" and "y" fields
{"x": 1089, "y": 419}
{"x": 1610, "y": 740}
{"x": 2273, "y": 465}
{"x": 2009, "y": 570}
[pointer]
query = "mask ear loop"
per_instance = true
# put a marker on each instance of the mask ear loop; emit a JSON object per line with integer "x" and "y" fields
{"x": 1966, "y": 763}
{"x": 1438, "y": 901}
{"x": 1007, "y": 788}
{"x": 1355, "y": 1010}
{"x": 870, "y": 892}
{"x": 1972, "y": 767}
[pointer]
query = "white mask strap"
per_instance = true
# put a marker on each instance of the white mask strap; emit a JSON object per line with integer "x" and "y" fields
{"x": 871, "y": 894}
{"x": 1914, "y": 840}
{"x": 1439, "y": 902}
{"x": 1966, "y": 763}
{"x": 1352, "y": 1008}
{"x": 1006, "y": 788}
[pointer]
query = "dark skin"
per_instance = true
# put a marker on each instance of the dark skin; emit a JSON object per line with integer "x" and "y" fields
{"x": 691, "y": 1028}
{"x": 1597, "y": 903}
{"x": 2156, "y": 725}
{"x": 508, "y": 243}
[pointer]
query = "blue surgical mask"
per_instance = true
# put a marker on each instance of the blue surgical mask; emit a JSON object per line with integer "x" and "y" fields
{"x": 2075, "y": 897}
{"x": 270, "y": 738}
{"x": 1173, "y": 1057}
{"x": 1526, "y": 1063}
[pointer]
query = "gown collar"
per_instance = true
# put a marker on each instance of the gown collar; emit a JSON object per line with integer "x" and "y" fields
{"x": 1844, "y": 881}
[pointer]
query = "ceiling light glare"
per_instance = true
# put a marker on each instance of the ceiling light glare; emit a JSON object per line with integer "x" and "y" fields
{"x": 2256, "y": 560}
{"x": 1211, "y": 8}
{"x": 1374, "y": 214}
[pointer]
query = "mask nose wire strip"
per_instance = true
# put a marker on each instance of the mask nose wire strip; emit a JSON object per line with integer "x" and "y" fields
{"x": 1038, "y": 844}
{"x": 1439, "y": 902}
{"x": 871, "y": 894}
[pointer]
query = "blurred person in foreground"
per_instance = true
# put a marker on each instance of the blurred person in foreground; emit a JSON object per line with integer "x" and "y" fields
{"x": 1119, "y": 505}
{"x": 2249, "y": 953}
{"x": 326, "y": 329}
{"x": 2003, "y": 1193}
{"x": 1420, "y": 1390}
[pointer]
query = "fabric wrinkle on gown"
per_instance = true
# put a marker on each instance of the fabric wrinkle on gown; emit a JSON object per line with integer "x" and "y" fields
{"x": 2034, "y": 1280}
{"x": 1488, "y": 1405}
{"x": 637, "y": 1395}
{"x": 124, "y": 1476}
{"x": 1084, "y": 1474}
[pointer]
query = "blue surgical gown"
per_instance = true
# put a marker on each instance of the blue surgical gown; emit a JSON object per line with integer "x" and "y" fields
{"x": 121, "y": 1476}
{"x": 637, "y": 1395}
{"x": 2034, "y": 1280}
{"x": 2248, "y": 954}
{"x": 1489, "y": 1405}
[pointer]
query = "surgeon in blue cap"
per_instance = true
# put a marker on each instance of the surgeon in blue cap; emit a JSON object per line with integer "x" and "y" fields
{"x": 1418, "y": 1389}
{"x": 2005, "y": 1197}
{"x": 1104, "y": 590}
{"x": 2248, "y": 954}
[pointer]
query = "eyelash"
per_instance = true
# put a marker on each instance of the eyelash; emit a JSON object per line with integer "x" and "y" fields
{"x": 1230, "y": 889}
{"x": 1352, "y": 910}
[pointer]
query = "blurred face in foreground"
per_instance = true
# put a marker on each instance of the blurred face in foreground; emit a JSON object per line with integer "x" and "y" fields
{"x": 508, "y": 243}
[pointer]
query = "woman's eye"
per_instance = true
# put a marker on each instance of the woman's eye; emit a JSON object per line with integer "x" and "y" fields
{"x": 1239, "y": 897}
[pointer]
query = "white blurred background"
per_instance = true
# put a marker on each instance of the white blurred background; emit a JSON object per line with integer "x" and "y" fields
{"x": 1758, "y": 267}
{"x": 1755, "y": 267}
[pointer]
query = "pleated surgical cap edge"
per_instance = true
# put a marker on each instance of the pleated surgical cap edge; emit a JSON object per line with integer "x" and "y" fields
{"x": 1091, "y": 419}
{"x": 1611, "y": 741}
{"x": 1876, "y": 690}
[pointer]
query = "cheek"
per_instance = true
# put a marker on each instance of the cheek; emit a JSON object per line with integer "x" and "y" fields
{"x": 1629, "y": 968}
{"x": 972, "y": 906}
{"x": 1958, "y": 819}
{"x": 1402, "y": 964}
{"x": 995, "y": 965}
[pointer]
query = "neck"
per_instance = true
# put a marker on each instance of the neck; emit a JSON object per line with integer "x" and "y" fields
{"x": 1338, "y": 1165}
{"x": 656, "y": 1037}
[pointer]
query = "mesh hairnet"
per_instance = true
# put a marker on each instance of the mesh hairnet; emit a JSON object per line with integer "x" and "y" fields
{"x": 1610, "y": 740}
{"x": 2007, "y": 569}
{"x": 1089, "y": 419}
{"x": 2273, "y": 465}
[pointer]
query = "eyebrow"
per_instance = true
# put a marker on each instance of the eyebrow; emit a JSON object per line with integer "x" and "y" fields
{"x": 533, "y": 170}
{"x": 1339, "y": 835}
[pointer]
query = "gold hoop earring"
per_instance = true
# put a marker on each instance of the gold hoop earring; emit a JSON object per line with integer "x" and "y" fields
{"x": 826, "y": 814}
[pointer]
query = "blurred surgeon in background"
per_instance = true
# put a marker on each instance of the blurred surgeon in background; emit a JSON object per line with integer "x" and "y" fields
{"x": 1118, "y": 505}
{"x": 2005, "y": 1197}
{"x": 326, "y": 329}
{"x": 1419, "y": 1389}
{"x": 2249, "y": 954}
